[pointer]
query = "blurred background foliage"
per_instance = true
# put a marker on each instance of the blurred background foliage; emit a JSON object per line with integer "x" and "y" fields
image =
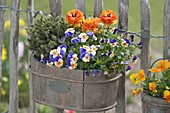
{"x": 134, "y": 25}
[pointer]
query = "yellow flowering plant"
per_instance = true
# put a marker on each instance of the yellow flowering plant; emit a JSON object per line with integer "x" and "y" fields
{"x": 77, "y": 42}
{"x": 156, "y": 83}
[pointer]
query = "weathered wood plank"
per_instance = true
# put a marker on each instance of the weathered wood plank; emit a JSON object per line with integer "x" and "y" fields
{"x": 80, "y": 4}
{"x": 154, "y": 105}
{"x": 2, "y": 19}
{"x": 33, "y": 107}
{"x": 98, "y": 7}
{"x": 14, "y": 30}
{"x": 56, "y": 7}
{"x": 42, "y": 90}
{"x": 145, "y": 32}
{"x": 166, "y": 33}
{"x": 123, "y": 6}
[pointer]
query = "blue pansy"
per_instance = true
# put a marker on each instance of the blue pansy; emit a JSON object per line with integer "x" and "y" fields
{"x": 89, "y": 33}
{"x": 115, "y": 30}
{"x": 62, "y": 39}
{"x": 75, "y": 40}
{"x": 99, "y": 72}
{"x": 86, "y": 73}
{"x": 69, "y": 34}
{"x": 102, "y": 40}
{"x": 93, "y": 72}
{"x": 127, "y": 41}
{"x": 109, "y": 53}
{"x": 132, "y": 38}
{"x": 111, "y": 40}
{"x": 82, "y": 50}
{"x": 128, "y": 68}
{"x": 62, "y": 47}
{"x": 139, "y": 44}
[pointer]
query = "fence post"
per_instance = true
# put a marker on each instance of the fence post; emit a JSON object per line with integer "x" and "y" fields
{"x": 166, "y": 32}
{"x": 123, "y": 24}
{"x": 145, "y": 32}
{"x": 32, "y": 103}
{"x": 98, "y": 7}
{"x": 80, "y": 5}
{"x": 14, "y": 29}
{"x": 56, "y": 7}
{"x": 2, "y": 19}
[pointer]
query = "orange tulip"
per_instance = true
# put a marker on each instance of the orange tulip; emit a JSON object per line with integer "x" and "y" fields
{"x": 91, "y": 24}
{"x": 167, "y": 95}
{"x": 152, "y": 86}
{"x": 108, "y": 17}
{"x": 74, "y": 17}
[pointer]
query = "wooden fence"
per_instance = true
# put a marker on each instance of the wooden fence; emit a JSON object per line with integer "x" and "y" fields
{"x": 56, "y": 7}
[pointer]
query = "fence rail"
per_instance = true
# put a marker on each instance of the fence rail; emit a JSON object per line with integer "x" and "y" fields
{"x": 56, "y": 8}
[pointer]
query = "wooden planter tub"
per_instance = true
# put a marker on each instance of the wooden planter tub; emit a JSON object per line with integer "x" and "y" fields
{"x": 70, "y": 89}
{"x": 154, "y": 105}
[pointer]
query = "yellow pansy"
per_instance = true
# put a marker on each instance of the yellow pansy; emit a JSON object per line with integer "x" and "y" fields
{"x": 141, "y": 76}
{"x": 4, "y": 54}
{"x": 134, "y": 79}
{"x": 136, "y": 92}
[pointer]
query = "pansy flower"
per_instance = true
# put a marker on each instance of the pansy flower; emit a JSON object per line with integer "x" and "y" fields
{"x": 89, "y": 33}
{"x": 167, "y": 95}
{"x": 49, "y": 62}
{"x": 102, "y": 40}
{"x": 94, "y": 72}
{"x": 91, "y": 51}
{"x": 99, "y": 72}
{"x": 54, "y": 53}
{"x": 83, "y": 37}
{"x": 128, "y": 68}
{"x": 43, "y": 60}
{"x": 132, "y": 38}
{"x": 94, "y": 47}
{"x": 85, "y": 57}
{"x": 112, "y": 42}
{"x": 69, "y": 32}
{"x": 124, "y": 62}
{"x": 75, "y": 40}
{"x": 58, "y": 62}
{"x": 114, "y": 30}
{"x": 73, "y": 65}
{"x": 152, "y": 87}
{"x": 62, "y": 47}
{"x": 135, "y": 58}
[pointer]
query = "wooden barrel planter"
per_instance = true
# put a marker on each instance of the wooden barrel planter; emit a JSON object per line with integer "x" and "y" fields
{"x": 151, "y": 104}
{"x": 70, "y": 89}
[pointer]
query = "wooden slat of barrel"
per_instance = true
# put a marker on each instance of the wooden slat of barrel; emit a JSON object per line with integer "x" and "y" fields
{"x": 73, "y": 98}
